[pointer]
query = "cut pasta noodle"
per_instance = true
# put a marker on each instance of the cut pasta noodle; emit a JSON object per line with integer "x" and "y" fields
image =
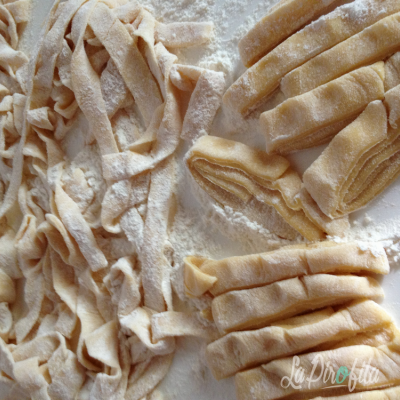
{"x": 84, "y": 276}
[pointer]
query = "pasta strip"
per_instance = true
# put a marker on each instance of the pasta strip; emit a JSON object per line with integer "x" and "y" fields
{"x": 184, "y": 34}
{"x": 255, "y": 308}
{"x": 282, "y": 20}
{"x": 301, "y": 116}
{"x": 263, "y": 78}
{"x": 242, "y": 350}
{"x": 244, "y": 272}
{"x": 127, "y": 58}
{"x": 372, "y": 44}
{"x": 252, "y": 384}
{"x": 86, "y": 84}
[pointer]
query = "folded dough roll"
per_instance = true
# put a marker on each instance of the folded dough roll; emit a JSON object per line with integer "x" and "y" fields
{"x": 359, "y": 163}
{"x": 255, "y": 308}
{"x": 385, "y": 394}
{"x": 299, "y": 117}
{"x": 264, "y": 77}
{"x": 372, "y": 44}
{"x": 245, "y": 272}
{"x": 392, "y": 71}
{"x": 236, "y": 175}
{"x": 241, "y": 350}
{"x": 264, "y": 383}
{"x": 392, "y": 103}
{"x": 281, "y": 21}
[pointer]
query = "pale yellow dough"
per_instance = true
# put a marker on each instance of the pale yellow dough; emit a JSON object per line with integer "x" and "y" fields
{"x": 261, "y": 306}
{"x": 245, "y": 272}
{"x": 372, "y": 44}
{"x": 265, "y": 382}
{"x": 236, "y": 175}
{"x": 384, "y": 394}
{"x": 263, "y": 78}
{"x": 241, "y": 350}
{"x": 299, "y": 117}
{"x": 351, "y": 170}
{"x": 281, "y": 21}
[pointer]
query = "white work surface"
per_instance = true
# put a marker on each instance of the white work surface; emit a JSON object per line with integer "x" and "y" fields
{"x": 189, "y": 378}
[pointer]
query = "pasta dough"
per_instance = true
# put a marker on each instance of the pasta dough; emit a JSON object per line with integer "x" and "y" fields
{"x": 241, "y": 350}
{"x": 249, "y": 271}
{"x": 233, "y": 174}
{"x": 299, "y": 117}
{"x": 384, "y": 394}
{"x": 364, "y": 156}
{"x": 372, "y": 44}
{"x": 265, "y": 382}
{"x": 254, "y": 308}
{"x": 281, "y": 21}
{"x": 264, "y": 77}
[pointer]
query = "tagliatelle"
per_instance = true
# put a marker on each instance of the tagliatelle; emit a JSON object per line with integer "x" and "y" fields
{"x": 235, "y": 273}
{"x": 299, "y": 117}
{"x": 82, "y": 251}
{"x": 235, "y": 174}
{"x": 241, "y": 350}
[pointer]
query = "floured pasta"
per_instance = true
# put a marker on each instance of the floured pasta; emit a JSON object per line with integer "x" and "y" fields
{"x": 241, "y": 350}
{"x": 372, "y": 44}
{"x": 264, "y": 382}
{"x": 234, "y": 273}
{"x": 261, "y": 306}
{"x": 359, "y": 163}
{"x": 299, "y": 117}
{"x": 86, "y": 308}
{"x": 264, "y": 77}
{"x": 235, "y": 174}
{"x": 282, "y": 20}
{"x": 383, "y": 394}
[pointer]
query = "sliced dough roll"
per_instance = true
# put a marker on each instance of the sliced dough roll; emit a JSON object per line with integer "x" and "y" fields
{"x": 255, "y": 308}
{"x": 372, "y": 44}
{"x": 241, "y": 350}
{"x": 359, "y": 163}
{"x": 281, "y": 21}
{"x": 299, "y": 117}
{"x": 263, "y": 78}
{"x": 245, "y": 272}
{"x": 385, "y": 394}
{"x": 392, "y": 71}
{"x": 392, "y": 103}
{"x": 237, "y": 176}
{"x": 264, "y": 383}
